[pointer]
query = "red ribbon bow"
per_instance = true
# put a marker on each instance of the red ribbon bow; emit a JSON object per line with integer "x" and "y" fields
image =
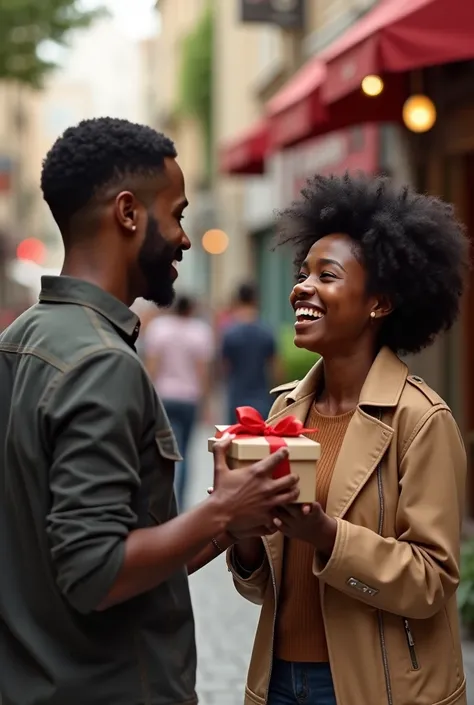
{"x": 251, "y": 424}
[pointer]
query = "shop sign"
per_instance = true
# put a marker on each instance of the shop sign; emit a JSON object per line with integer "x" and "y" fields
{"x": 287, "y": 14}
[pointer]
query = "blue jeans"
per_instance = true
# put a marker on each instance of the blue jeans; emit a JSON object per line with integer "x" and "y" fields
{"x": 301, "y": 684}
{"x": 182, "y": 416}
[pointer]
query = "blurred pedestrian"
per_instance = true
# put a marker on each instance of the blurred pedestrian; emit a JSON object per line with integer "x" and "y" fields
{"x": 249, "y": 355}
{"x": 179, "y": 348}
{"x": 146, "y": 312}
{"x": 366, "y": 577}
{"x": 94, "y": 596}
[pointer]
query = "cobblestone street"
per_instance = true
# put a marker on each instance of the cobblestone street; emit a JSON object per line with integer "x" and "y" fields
{"x": 225, "y": 622}
{"x": 225, "y": 626}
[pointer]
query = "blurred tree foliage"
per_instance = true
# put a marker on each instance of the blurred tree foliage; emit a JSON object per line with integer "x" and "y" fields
{"x": 26, "y": 24}
{"x": 195, "y": 96}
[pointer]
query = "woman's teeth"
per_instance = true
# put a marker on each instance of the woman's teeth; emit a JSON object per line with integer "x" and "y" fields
{"x": 308, "y": 313}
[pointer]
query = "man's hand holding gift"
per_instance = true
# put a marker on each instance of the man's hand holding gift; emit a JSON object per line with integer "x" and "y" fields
{"x": 283, "y": 452}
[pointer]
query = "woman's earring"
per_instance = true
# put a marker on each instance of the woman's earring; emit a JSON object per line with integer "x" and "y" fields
{"x": 372, "y": 314}
{"x": 134, "y": 227}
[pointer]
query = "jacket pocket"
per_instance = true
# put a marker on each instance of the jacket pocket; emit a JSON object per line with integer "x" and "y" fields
{"x": 167, "y": 445}
{"x": 415, "y": 664}
{"x": 162, "y": 504}
{"x": 459, "y": 696}
{"x": 422, "y": 660}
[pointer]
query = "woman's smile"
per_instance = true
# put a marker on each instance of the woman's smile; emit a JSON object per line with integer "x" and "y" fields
{"x": 306, "y": 315}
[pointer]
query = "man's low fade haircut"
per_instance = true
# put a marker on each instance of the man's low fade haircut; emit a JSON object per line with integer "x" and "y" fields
{"x": 96, "y": 154}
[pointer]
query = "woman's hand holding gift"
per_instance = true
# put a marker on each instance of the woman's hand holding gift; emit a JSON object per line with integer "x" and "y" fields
{"x": 308, "y": 522}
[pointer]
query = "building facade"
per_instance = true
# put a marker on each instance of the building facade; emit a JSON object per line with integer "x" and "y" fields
{"x": 417, "y": 125}
{"x": 275, "y": 55}
{"x": 19, "y": 194}
{"x": 177, "y": 19}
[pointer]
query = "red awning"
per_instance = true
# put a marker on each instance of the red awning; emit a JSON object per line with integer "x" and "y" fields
{"x": 246, "y": 153}
{"x": 297, "y": 108}
{"x": 297, "y": 112}
{"x": 398, "y": 36}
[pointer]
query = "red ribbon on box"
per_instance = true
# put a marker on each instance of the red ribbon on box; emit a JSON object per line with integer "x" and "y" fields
{"x": 251, "y": 424}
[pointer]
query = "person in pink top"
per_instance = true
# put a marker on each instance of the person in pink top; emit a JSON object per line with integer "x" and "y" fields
{"x": 179, "y": 348}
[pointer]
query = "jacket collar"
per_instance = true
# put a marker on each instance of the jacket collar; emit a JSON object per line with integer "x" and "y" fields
{"x": 69, "y": 290}
{"x": 368, "y": 435}
{"x": 382, "y": 388}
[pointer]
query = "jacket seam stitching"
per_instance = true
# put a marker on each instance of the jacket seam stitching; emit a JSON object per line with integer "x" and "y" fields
{"x": 451, "y": 636}
{"x": 253, "y": 696}
{"x": 35, "y": 352}
{"x": 418, "y": 426}
{"x": 69, "y": 368}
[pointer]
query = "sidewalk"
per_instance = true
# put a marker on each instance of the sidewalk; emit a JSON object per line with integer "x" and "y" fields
{"x": 225, "y": 622}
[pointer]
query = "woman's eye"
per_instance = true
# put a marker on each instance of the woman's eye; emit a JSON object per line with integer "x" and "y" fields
{"x": 327, "y": 275}
{"x": 301, "y": 277}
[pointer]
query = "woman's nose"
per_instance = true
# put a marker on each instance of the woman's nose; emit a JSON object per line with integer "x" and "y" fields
{"x": 304, "y": 288}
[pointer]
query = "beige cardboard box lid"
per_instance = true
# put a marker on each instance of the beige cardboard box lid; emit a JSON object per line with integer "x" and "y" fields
{"x": 257, "y": 447}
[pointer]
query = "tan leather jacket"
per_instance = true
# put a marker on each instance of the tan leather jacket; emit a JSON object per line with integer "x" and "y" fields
{"x": 388, "y": 590}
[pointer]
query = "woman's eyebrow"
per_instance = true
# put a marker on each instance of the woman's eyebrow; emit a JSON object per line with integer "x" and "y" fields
{"x": 328, "y": 260}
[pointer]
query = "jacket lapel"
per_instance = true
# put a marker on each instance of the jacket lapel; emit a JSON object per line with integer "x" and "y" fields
{"x": 368, "y": 435}
{"x": 364, "y": 445}
{"x": 299, "y": 400}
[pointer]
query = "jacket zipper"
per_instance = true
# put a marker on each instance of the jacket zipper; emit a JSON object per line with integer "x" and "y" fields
{"x": 411, "y": 646}
{"x": 272, "y": 573}
{"x": 383, "y": 645}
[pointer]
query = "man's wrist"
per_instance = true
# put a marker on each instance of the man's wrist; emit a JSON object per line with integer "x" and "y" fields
{"x": 221, "y": 513}
{"x": 224, "y": 541}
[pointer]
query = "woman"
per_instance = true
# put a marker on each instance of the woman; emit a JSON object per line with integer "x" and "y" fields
{"x": 358, "y": 590}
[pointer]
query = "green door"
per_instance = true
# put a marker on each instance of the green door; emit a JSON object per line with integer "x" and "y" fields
{"x": 274, "y": 279}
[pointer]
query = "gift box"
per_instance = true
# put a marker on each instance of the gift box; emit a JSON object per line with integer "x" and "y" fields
{"x": 256, "y": 439}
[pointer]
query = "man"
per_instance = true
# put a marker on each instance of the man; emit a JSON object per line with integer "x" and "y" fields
{"x": 249, "y": 355}
{"x": 179, "y": 348}
{"x": 94, "y": 599}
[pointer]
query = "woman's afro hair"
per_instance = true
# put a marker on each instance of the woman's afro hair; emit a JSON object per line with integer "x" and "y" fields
{"x": 413, "y": 248}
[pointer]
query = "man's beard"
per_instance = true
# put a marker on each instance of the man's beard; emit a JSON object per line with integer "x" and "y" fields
{"x": 155, "y": 261}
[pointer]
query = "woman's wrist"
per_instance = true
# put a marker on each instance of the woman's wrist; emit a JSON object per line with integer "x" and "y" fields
{"x": 248, "y": 555}
{"x": 325, "y": 538}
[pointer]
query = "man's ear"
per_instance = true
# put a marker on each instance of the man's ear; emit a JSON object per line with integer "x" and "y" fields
{"x": 126, "y": 210}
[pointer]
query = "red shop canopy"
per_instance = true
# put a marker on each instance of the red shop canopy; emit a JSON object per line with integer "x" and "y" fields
{"x": 246, "y": 153}
{"x": 396, "y": 36}
{"x": 297, "y": 108}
